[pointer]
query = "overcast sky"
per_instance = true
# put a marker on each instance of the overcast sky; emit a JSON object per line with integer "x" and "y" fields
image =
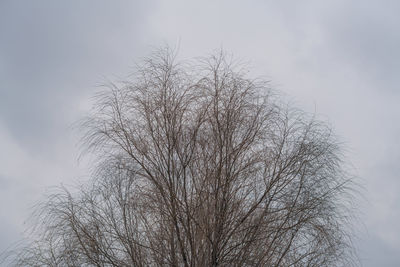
{"x": 338, "y": 58}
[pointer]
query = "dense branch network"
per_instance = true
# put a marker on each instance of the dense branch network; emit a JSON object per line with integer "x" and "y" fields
{"x": 200, "y": 166}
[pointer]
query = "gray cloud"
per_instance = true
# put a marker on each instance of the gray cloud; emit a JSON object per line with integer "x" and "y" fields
{"x": 370, "y": 39}
{"x": 338, "y": 56}
{"x": 53, "y": 52}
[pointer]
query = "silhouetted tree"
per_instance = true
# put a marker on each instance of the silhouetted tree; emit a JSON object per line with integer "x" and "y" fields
{"x": 199, "y": 166}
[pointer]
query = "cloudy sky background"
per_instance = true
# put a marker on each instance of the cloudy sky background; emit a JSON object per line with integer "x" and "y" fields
{"x": 340, "y": 58}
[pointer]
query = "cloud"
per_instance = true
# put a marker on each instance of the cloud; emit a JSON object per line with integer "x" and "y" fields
{"x": 338, "y": 57}
{"x": 54, "y": 53}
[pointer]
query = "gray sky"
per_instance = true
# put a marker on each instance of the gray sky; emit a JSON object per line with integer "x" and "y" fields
{"x": 340, "y": 58}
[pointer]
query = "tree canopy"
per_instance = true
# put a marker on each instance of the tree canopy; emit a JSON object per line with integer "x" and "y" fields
{"x": 199, "y": 165}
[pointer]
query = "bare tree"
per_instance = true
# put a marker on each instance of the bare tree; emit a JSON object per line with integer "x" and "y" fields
{"x": 200, "y": 166}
